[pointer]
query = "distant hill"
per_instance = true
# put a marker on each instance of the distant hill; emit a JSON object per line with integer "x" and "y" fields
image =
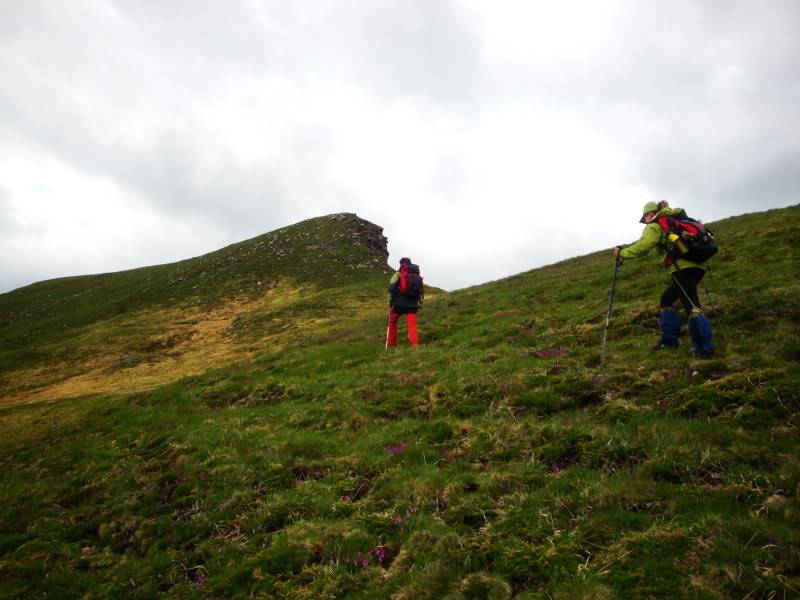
{"x": 133, "y": 329}
{"x": 503, "y": 458}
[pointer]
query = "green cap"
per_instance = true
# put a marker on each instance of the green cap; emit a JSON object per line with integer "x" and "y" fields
{"x": 649, "y": 207}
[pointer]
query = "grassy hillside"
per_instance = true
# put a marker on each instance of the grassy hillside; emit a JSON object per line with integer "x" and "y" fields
{"x": 134, "y": 329}
{"x": 501, "y": 459}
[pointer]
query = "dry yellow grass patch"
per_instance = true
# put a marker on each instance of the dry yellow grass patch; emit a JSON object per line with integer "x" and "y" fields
{"x": 180, "y": 343}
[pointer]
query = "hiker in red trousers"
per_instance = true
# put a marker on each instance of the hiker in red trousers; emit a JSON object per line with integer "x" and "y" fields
{"x": 407, "y": 293}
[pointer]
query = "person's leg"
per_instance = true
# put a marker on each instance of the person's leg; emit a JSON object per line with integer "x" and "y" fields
{"x": 685, "y": 283}
{"x": 670, "y": 295}
{"x": 670, "y": 328}
{"x": 393, "y": 317}
{"x": 670, "y": 320}
{"x": 702, "y": 337}
{"x": 411, "y": 323}
{"x": 699, "y": 325}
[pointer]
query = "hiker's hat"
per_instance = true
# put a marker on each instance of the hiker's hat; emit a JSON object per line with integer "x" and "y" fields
{"x": 405, "y": 260}
{"x": 649, "y": 207}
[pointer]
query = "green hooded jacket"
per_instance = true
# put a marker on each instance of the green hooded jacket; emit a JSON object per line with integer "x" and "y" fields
{"x": 655, "y": 237}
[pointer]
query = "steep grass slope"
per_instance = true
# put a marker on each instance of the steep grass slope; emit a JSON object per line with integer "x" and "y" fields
{"x": 502, "y": 459}
{"x": 135, "y": 329}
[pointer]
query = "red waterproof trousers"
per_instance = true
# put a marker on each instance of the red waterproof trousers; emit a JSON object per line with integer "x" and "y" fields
{"x": 411, "y": 324}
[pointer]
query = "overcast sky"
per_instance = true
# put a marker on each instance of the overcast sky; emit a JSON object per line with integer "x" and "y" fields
{"x": 487, "y": 138}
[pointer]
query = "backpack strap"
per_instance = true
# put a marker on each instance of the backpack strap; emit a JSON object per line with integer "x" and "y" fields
{"x": 667, "y": 224}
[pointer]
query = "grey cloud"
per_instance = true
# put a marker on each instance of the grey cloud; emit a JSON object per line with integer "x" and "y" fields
{"x": 70, "y": 100}
{"x": 181, "y": 167}
{"x": 240, "y": 195}
{"x": 704, "y": 100}
{"x": 7, "y": 225}
{"x": 425, "y": 51}
{"x": 701, "y": 99}
{"x": 409, "y": 51}
{"x": 450, "y": 177}
{"x": 11, "y": 226}
{"x": 16, "y": 268}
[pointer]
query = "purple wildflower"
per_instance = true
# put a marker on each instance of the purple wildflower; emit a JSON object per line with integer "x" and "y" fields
{"x": 379, "y": 552}
{"x": 549, "y": 353}
{"x": 398, "y": 449}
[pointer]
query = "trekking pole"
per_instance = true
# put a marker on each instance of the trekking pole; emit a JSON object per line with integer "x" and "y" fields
{"x": 685, "y": 293}
{"x": 710, "y": 298}
{"x": 617, "y": 264}
{"x": 388, "y": 325}
{"x": 712, "y": 302}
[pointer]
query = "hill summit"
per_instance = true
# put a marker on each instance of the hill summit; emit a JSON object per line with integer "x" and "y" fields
{"x": 134, "y": 329}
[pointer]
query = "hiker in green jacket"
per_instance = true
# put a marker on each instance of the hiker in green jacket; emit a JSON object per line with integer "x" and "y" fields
{"x": 684, "y": 274}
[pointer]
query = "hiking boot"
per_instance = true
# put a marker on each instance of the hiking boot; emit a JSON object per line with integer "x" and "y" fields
{"x": 700, "y": 330}
{"x": 697, "y": 353}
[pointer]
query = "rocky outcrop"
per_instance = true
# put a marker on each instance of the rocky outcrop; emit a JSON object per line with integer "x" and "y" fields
{"x": 367, "y": 233}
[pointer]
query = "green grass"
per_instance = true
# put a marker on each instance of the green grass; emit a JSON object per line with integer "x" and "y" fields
{"x": 471, "y": 467}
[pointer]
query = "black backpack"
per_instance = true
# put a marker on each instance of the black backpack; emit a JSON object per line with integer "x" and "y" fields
{"x": 411, "y": 286}
{"x": 686, "y": 238}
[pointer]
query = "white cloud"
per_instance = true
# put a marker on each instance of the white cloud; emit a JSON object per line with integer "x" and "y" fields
{"x": 485, "y": 138}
